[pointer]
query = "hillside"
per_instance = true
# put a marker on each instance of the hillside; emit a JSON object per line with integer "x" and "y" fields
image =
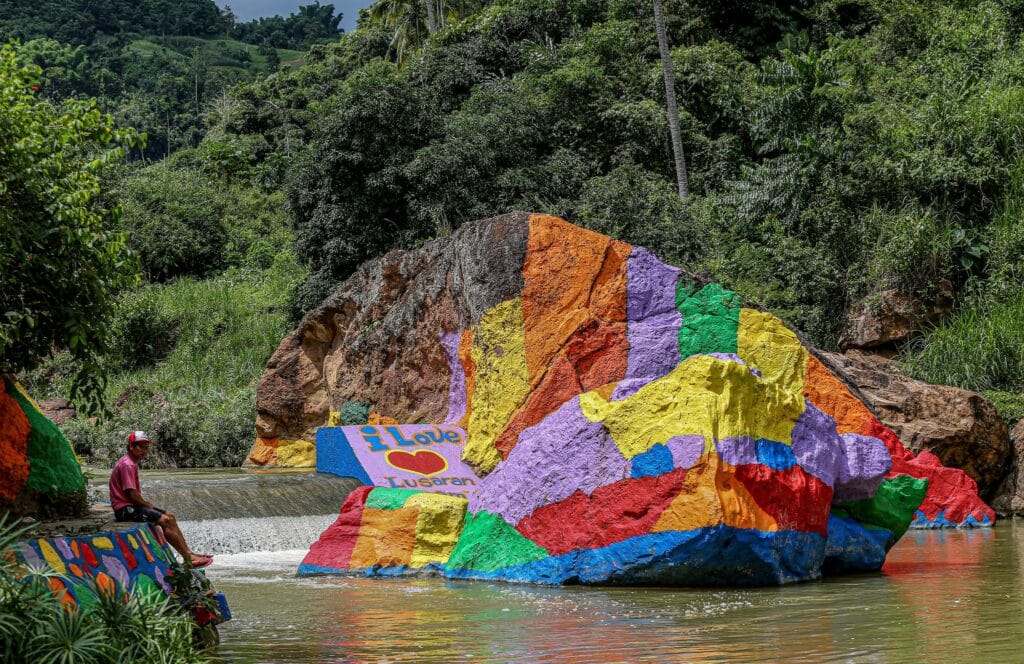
{"x": 837, "y": 155}
{"x": 157, "y": 66}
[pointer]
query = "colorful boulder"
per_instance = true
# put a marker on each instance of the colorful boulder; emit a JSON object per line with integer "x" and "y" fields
{"x": 629, "y": 423}
{"x": 39, "y": 472}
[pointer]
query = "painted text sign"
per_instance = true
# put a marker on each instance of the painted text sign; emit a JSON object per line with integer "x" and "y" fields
{"x": 401, "y": 456}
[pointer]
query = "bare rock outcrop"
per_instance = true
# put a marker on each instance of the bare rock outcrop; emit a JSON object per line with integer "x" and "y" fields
{"x": 384, "y": 320}
{"x": 59, "y": 410}
{"x": 958, "y": 426}
{"x": 881, "y": 321}
{"x": 1009, "y": 500}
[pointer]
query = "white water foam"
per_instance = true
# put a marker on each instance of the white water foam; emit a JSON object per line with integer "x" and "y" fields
{"x": 277, "y": 534}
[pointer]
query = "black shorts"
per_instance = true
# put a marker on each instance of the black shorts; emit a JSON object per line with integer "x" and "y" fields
{"x": 138, "y": 514}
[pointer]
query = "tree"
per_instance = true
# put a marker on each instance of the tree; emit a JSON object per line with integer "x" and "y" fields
{"x": 61, "y": 261}
{"x": 229, "y": 20}
{"x": 346, "y": 190}
{"x": 412, "y": 22}
{"x": 682, "y": 181}
{"x": 408, "y": 22}
{"x": 273, "y": 59}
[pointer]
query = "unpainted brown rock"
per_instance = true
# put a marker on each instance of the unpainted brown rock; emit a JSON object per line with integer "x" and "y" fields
{"x": 882, "y": 320}
{"x": 385, "y": 319}
{"x": 960, "y": 427}
{"x": 59, "y": 410}
{"x": 1009, "y": 500}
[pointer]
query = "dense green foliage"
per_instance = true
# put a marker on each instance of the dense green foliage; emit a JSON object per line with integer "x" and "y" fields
{"x": 84, "y": 21}
{"x": 188, "y": 357}
{"x": 828, "y": 156}
{"x": 114, "y": 628}
{"x": 835, "y": 149}
{"x": 156, "y": 64}
{"x": 62, "y": 260}
{"x": 312, "y": 24}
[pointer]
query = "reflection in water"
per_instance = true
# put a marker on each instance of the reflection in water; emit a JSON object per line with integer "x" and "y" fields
{"x": 943, "y": 595}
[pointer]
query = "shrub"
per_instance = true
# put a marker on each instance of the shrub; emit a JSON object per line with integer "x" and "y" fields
{"x": 198, "y": 402}
{"x": 61, "y": 261}
{"x": 1009, "y": 404}
{"x": 142, "y": 333}
{"x": 174, "y": 219}
{"x": 642, "y": 208}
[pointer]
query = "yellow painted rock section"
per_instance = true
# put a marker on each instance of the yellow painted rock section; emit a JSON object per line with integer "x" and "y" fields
{"x": 437, "y": 527}
{"x": 52, "y": 559}
{"x": 104, "y": 543}
{"x": 765, "y": 344}
{"x": 703, "y": 395}
{"x": 501, "y": 383}
{"x": 296, "y": 453}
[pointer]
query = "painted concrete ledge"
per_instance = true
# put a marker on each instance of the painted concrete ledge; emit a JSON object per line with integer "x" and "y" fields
{"x": 127, "y": 557}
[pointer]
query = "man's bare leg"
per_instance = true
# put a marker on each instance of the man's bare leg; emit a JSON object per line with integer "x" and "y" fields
{"x": 175, "y": 537}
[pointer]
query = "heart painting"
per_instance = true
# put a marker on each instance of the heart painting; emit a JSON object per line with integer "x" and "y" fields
{"x": 421, "y": 462}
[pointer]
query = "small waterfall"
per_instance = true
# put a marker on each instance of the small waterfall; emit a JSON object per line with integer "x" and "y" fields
{"x": 235, "y": 493}
{"x": 245, "y": 535}
{"x": 229, "y": 511}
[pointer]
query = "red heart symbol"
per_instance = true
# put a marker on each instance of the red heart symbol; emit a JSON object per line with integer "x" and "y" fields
{"x": 421, "y": 462}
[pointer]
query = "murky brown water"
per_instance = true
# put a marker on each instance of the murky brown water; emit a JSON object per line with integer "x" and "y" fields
{"x": 946, "y": 596}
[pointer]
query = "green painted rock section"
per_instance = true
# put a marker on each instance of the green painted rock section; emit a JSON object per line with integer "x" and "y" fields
{"x": 892, "y": 506}
{"x": 489, "y": 543}
{"x": 711, "y": 318}
{"x": 388, "y": 499}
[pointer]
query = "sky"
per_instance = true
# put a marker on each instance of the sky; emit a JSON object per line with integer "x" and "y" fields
{"x": 246, "y": 10}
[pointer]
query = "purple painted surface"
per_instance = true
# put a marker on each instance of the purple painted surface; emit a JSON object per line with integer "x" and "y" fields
{"x": 457, "y": 384}
{"x": 654, "y": 321}
{"x": 627, "y": 388}
{"x": 62, "y": 546}
{"x": 409, "y": 456}
{"x": 733, "y": 357}
{"x": 817, "y": 446}
{"x": 160, "y": 579}
{"x": 30, "y": 557}
{"x": 117, "y": 571}
{"x": 867, "y": 462}
{"x": 686, "y": 450}
{"x": 737, "y": 451}
{"x": 564, "y": 453}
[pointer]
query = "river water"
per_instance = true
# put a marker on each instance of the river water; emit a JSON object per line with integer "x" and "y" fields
{"x": 948, "y": 596}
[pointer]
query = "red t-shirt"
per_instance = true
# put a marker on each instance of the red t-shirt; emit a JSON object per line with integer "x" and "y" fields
{"x": 124, "y": 476}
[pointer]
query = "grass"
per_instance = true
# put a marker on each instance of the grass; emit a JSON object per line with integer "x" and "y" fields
{"x": 199, "y": 400}
{"x": 221, "y": 53}
{"x": 1009, "y": 404}
{"x": 228, "y": 326}
{"x": 980, "y": 348}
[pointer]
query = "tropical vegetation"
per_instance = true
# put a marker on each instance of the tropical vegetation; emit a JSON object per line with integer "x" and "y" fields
{"x": 825, "y": 151}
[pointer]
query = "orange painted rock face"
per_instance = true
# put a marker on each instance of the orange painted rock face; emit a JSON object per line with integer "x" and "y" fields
{"x": 628, "y": 423}
{"x": 14, "y": 434}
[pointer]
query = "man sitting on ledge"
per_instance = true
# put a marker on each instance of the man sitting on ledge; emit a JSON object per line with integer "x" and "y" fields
{"x": 129, "y": 505}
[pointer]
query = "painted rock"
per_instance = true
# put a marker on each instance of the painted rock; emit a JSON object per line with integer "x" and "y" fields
{"x": 39, "y": 471}
{"x": 628, "y": 421}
